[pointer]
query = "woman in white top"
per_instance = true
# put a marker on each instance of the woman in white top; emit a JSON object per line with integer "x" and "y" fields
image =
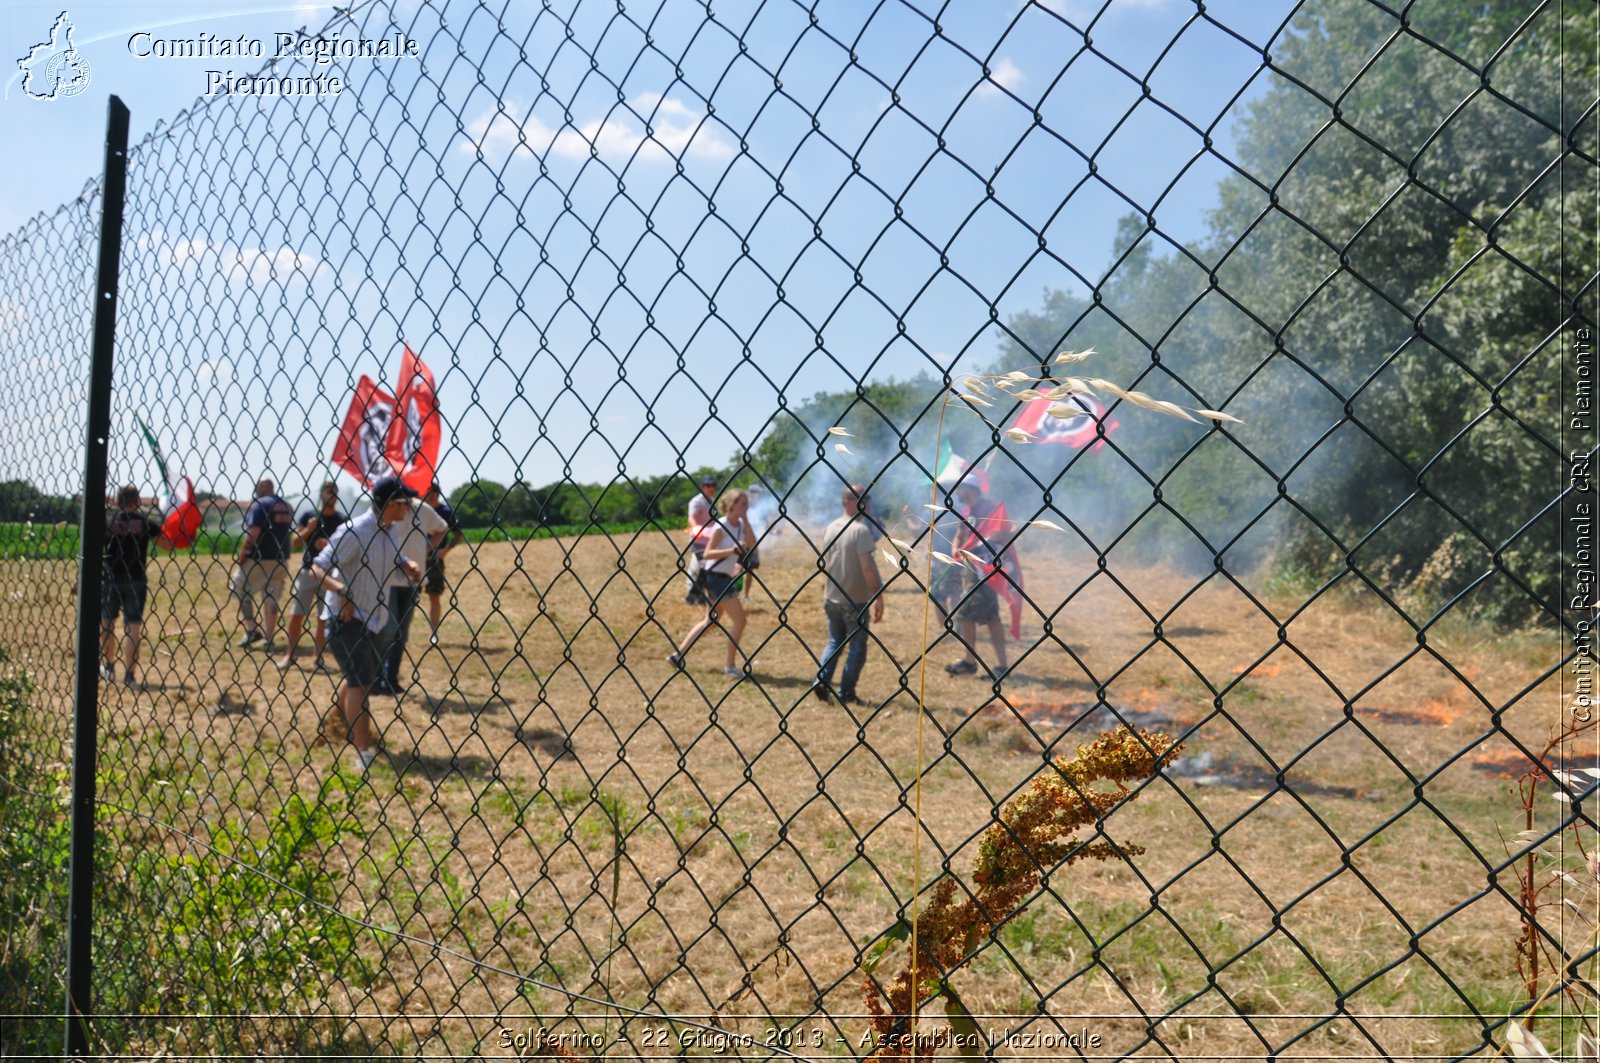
{"x": 729, "y": 539}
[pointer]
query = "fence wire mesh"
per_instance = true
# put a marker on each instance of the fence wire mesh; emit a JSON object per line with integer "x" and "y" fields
{"x": 786, "y": 249}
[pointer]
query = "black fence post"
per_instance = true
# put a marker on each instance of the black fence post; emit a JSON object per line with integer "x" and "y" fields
{"x": 92, "y": 531}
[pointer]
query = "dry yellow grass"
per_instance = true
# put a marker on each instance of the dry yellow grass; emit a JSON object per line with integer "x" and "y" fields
{"x": 765, "y": 839}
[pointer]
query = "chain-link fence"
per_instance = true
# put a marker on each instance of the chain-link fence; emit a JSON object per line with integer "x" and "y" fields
{"x": 1317, "y": 506}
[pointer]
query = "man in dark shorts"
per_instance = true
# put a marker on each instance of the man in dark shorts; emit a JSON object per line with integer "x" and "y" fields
{"x": 124, "y": 585}
{"x": 979, "y": 539}
{"x": 355, "y": 569}
{"x": 313, "y": 529}
{"x": 263, "y": 562}
{"x": 434, "y": 581}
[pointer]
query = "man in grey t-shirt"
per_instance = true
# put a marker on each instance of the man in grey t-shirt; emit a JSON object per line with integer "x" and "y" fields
{"x": 356, "y": 568}
{"x": 850, "y": 585}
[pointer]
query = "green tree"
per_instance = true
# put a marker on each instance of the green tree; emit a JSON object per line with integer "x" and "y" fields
{"x": 1407, "y": 275}
{"x": 20, "y": 500}
{"x": 1388, "y": 280}
{"x": 477, "y": 503}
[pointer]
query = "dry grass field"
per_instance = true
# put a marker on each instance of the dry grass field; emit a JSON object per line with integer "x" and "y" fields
{"x": 560, "y": 811}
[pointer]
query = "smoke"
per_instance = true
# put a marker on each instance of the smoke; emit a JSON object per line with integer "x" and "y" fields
{"x": 1158, "y": 495}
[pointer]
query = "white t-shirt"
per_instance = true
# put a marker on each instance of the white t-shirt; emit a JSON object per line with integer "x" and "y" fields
{"x": 414, "y": 533}
{"x": 699, "y": 509}
{"x": 721, "y": 534}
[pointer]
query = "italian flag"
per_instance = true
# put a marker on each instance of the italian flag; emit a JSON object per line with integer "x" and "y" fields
{"x": 951, "y": 468}
{"x": 180, "y": 522}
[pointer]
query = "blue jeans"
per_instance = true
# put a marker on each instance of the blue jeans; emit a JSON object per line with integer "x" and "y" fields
{"x": 846, "y": 623}
{"x": 402, "y": 603}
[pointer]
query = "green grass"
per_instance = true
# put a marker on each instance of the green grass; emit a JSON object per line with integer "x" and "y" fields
{"x": 38, "y": 542}
{"x": 497, "y": 534}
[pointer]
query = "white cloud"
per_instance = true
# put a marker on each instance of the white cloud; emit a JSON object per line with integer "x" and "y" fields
{"x": 675, "y": 132}
{"x": 1082, "y": 11}
{"x": 1003, "y": 75}
{"x": 252, "y": 265}
{"x": 213, "y": 371}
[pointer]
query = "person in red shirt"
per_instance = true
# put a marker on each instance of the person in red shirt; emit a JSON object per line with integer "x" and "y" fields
{"x": 980, "y": 537}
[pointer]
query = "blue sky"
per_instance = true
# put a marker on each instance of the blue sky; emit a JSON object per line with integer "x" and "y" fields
{"x": 499, "y": 204}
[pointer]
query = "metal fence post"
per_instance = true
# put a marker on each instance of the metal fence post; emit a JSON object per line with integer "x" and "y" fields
{"x": 86, "y": 695}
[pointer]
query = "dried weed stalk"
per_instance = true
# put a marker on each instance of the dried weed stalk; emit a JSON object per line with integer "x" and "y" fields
{"x": 1034, "y": 834}
{"x": 1558, "y": 887}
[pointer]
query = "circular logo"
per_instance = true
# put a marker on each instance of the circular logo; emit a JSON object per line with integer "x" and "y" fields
{"x": 67, "y": 73}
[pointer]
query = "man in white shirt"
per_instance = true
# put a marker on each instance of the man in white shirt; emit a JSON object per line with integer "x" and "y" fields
{"x": 701, "y": 513}
{"x": 356, "y": 569}
{"x": 418, "y": 532}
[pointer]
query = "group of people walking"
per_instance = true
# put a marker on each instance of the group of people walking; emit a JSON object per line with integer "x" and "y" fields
{"x": 361, "y": 579}
{"x": 723, "y": 554}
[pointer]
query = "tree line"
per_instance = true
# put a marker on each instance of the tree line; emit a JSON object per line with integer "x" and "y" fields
{"x": 481, "y": 503}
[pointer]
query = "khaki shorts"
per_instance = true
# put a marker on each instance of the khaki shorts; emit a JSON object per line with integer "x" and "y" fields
{"x": 260, "y": 579}
{"x": 307, "y": 592}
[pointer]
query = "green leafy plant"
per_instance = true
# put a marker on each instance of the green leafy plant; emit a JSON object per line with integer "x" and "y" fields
{"x": 243, "y": 922}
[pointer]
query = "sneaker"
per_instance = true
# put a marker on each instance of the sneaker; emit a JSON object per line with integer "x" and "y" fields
{"x": 321, "y": 665}
{"x": 735, "y": 673}
{"x": 961, "y": 668}
{"x": 285, "y": 663}
{"x": 675, "y": 659}
{"x": 131, "y": 683}
{"x": 433, "y": 639}
{"x": 269, "y": 647}
{"x": 249, "y": 638}
{"x": 108, "y": 672}
{"x": 821, "y": 693}
{"x": 366, "y": 757}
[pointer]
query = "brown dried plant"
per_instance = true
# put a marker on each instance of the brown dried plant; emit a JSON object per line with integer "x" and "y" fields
{"x": 1558, "y": 888}
{"x": 1035, "y": 834}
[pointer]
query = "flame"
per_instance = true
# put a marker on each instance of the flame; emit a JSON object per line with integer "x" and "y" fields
{"x": 1507, "y": 763}
{"x": 1437, "y": 711}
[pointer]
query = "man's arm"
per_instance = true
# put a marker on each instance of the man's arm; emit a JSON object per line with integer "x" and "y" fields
{"x": 869, "y": 572}
{"x": 452, "y": 539}
{"x": 157, "y": 535}
{"x": 302, "y": 535}
{"x": 250, "y": 537}
{"x": 347, "y": 608}
{"x": 434, "y": 526}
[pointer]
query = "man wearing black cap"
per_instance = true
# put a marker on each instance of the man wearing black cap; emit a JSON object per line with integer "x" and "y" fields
{"x": 355, "y": 568}
{"x": 701, "y": 511}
